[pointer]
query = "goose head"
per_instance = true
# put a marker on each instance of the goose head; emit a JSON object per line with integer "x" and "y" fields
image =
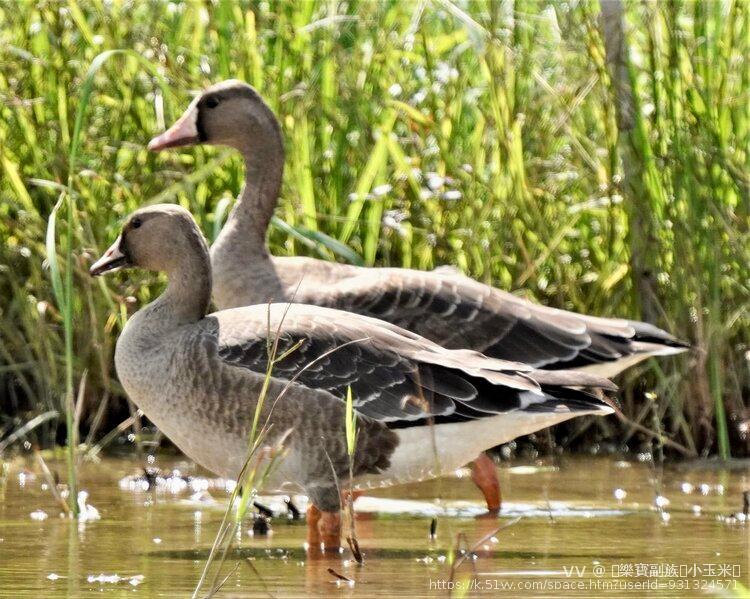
{"x": 159, "y": 238}
{"x": 230, "y": 113}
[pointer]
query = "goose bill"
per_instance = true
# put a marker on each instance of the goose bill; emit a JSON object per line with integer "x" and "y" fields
{"x": 113, "y": 259}
{"x": 184, "y": 132}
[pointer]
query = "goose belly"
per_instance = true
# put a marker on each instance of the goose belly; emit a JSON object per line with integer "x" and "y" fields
{"x": 425, "y": 452}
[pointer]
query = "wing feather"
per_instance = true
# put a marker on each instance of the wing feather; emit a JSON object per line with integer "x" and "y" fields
{"x": 457, "y": 312}
{"x": 394, "y": 375}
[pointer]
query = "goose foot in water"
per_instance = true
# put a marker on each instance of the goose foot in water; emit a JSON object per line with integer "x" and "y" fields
{"x": 323, "y": 531}
{"x": 484, "y": 475}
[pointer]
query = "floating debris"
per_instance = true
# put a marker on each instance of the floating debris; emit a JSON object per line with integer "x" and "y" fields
{"x": 86, "y": 512}
{"x": 278, "y": 553}
{"x": 156, "y": 540}
{"x": 732, "y": 519}
{"x": 174, "y": 482}
{"x": 202, "y": 498}
{"x": 39, "y": 515}
{"x": 620, "y": 494}
{"x": 661, "y": 501}
{"x": 261, "y": 526}
{"x": 264, "y": 511}
{"x": 24, "y": 477}
{"x": 433, "y": 529}
{"x": 687, "y": 488}
{"x": 738, "y": 517}
{"x": 115, "y": 579}
{"x": 340, "y": 578}
{"x": 135, "y": 484}
{"x": 150, "y": 475}
{"x": 53, "y": 576}
{"x": 292, "y": 509}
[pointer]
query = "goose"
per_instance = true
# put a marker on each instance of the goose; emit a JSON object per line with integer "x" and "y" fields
{"x": 421, "y": 410}
{"x": 442, "y": 305}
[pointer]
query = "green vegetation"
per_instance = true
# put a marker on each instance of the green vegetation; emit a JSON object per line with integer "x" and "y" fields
{"x": 258, "y": 464}
{"x": 418, "y": 134}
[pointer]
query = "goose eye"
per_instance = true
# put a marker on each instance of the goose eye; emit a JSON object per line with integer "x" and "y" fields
{"x": 136, "y": 223}
{"x": 212, "y": 101}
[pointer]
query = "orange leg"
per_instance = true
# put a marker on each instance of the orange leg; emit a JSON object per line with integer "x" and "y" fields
{"x": 323, "y": 530}
{"x": 330, "y": 530}
{"x": 484, "y": 475}
{"x": 313, "y": 534}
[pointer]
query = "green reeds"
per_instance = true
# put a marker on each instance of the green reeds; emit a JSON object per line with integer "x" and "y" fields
{"x": 418, "y": 134}
{"x": 62, "y": 284}
{"x": 248, "y": 480}
{"x": 350, "y": 430}
{"x": 350, "y": 426}
{"x": 261, "y": 458}
{"x": 683, "y": 175}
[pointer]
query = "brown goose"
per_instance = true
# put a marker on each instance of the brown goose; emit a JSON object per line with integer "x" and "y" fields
{"x": 421, "y": 410}
{"x": 448, "y": 308}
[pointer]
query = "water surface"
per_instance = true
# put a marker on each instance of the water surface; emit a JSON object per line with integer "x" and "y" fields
{"x": 577, "y": 527}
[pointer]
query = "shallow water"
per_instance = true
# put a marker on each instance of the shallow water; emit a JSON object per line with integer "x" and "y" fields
{"x": 583, "y": 527}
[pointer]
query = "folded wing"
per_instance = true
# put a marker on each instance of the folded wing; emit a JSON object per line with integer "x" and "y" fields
{"x": 395, "y": 376}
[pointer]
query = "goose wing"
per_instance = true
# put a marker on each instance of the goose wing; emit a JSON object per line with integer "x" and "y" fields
{"x": 456, "y": 311}
{"x": 395, "y": 376}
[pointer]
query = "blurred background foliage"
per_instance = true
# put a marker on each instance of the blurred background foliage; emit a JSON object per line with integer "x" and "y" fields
{"x": 493, "y": 136}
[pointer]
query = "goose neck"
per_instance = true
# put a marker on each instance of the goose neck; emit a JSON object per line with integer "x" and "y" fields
{"x": 188, "y": 294}
{"x": 263, "y": 173}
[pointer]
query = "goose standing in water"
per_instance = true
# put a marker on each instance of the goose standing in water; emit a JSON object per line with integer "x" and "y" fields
{"x": 421, "y": 410}
{"x": 447, "y": 308}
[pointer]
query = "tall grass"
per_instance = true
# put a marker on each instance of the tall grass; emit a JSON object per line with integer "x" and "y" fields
{"x": 63, "y": 286}
{"x": 483, "y": 135}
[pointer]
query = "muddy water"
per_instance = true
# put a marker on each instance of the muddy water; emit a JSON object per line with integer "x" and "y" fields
{"x": 582, "y": 527}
